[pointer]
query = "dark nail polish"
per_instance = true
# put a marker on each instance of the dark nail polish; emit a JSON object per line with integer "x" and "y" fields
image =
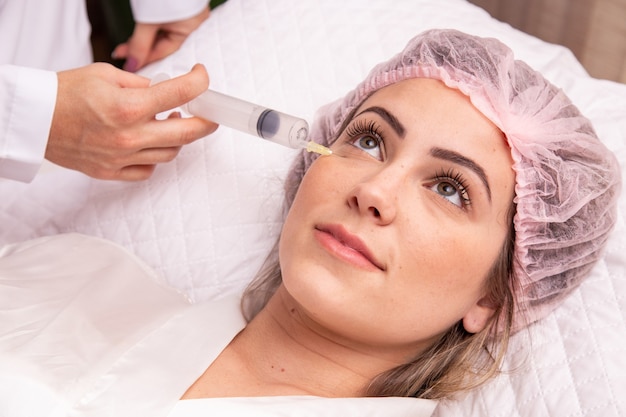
{"x": 131, "y": 64}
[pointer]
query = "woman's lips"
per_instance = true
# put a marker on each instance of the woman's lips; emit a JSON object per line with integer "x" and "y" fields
{"x": 346, "y": 246}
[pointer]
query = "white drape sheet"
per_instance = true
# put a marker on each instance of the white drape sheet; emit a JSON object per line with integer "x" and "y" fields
{"x": 85, "y": 326}
{"x": 87, "y": 330}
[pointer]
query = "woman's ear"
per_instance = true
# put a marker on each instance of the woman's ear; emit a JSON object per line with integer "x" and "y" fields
{"x": 478, "y": 316}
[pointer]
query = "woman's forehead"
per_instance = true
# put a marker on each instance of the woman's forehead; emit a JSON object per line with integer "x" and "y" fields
{"x": 428, "y": 101}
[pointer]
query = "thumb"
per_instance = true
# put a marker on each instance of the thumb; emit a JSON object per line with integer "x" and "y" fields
{"x": 177, "y": 91}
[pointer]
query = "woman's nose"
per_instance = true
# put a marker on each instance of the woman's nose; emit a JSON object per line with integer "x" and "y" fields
{"x": 376, "y": 197}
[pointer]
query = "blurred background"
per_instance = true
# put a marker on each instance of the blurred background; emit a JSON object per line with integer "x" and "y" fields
{"x": 112, "y": 23}
{"x": 594, "y": 30}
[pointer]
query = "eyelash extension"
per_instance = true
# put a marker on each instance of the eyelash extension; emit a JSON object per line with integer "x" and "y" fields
{"x": 458, "y": 180}
{"x": 361, "y": 127}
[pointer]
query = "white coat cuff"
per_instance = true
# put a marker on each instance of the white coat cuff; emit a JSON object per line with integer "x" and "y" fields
{"x": 162, "y": 11}
{"x": 30, "y": 98}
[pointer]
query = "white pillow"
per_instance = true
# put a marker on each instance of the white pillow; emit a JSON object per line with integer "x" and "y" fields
{"x": 206, "y": 221}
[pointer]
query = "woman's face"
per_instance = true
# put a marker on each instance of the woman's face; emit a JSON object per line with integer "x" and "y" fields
{"x": 389, "y": 241}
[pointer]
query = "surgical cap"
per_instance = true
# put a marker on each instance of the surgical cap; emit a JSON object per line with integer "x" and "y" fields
{"x": 567, "y": 181}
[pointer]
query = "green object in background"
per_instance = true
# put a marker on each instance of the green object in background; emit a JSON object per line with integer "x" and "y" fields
{"x": 214, "y": 3}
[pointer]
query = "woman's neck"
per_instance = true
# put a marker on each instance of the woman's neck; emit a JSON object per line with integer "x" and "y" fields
{"x": 281, "y": 353}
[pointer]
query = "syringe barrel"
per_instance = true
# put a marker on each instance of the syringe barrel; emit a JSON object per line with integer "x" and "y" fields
{"x": 250, "y": 118}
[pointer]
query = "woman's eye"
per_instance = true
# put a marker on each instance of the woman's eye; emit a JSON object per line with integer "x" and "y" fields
{"x": 365, "y": 135}
{"x": 369, "y": 144}
{"x": 452, "y": 188}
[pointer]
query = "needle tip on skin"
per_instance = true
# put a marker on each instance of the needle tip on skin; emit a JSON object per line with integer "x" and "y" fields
{"x": 317, "y": 148}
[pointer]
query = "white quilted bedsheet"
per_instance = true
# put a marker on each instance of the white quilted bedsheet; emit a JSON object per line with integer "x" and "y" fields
{"x": 206, "y": 220}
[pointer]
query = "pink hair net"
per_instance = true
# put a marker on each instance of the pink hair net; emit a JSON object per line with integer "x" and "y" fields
{"x": 567, "y": 181}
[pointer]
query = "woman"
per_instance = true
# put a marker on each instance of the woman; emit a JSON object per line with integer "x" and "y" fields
{"x": 565, "y": 184}
{"x": 465, "y": 197}
{"x": 366, "y": 250}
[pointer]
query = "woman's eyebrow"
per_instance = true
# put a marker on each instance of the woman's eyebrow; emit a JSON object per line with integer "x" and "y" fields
{"x": 459, "y": 159}
{"x": 389, "y": 118}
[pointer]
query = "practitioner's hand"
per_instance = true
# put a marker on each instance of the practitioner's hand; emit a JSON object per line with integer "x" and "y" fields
{"x": 150, "y": 41}
{"x": 104, "y": 121}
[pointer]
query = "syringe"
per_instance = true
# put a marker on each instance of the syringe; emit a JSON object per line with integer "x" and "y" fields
{"x": 251, "y": 118}
{"x": 254, "y": 119}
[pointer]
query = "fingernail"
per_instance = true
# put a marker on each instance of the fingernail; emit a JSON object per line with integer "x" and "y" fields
{"x": 131, "y": 64}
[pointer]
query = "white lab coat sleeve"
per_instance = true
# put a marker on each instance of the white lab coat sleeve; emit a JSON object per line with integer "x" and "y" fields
{"x": 51, "y": 35}
{"x": 161, "y": 11}
{"x": 27, "y": 100}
